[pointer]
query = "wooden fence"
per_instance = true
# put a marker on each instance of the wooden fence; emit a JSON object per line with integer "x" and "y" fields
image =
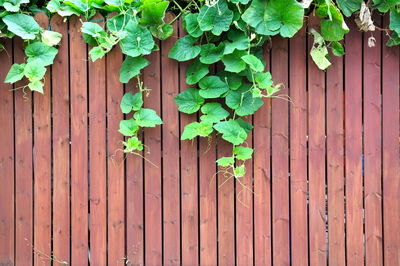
{"x": 325, "y": 173}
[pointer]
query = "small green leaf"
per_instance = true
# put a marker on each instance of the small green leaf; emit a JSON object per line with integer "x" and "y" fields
{"x": 337, "y": 48}
{"x": 213, "y": 112}
{"x": 243, "y": 124}
{"x": 133, "y": 144}
{"x": 93, "y": 29}
{"x": 184, "y": 50}
{"x": 34, "y": 71}
{"x": 194, "y": 129}
{"x": 238, "y": 41}
{"x": 216, "y": 18}
{"x": 138, "y": 40}
{"x": 22, "y": 25}
{"x": 131, "y": 102}
{"x": 192, "y": 25}
{"x": 211, "y": 54}
{"x": 51, "y": 38}
{"x": 232, "y": 80}
{"x": 147, "y": 118}
{"x": 96, "y": 53}
{"x": 212, "y": 87}
{"x": 319, "y": 52}
{"x": 226, "y": 161}
{"x": 153, "y": 12}
{"x": 243, "y": 101}
{"x": 41, "y": 53}
{"x": 189, "y": 101}
{"x": 231, "y": 131}
{"x": 384, "y": 5}
{"x": 242, "y": 153}
{"x": 264, "y": 80}
{"x": 15, "y": 74}
{"x": 233, "y": 62}
{"x": 395, "y": 20}
{"x": 195, "y": 72}
{"x": 131, "y": 67}
{"x": 36, "y": 85}
{"x": 239, "y": 171}
{"x": 128, "y": 128}
{"x": 349, "y": 6}
{"x": 253, "y": 62}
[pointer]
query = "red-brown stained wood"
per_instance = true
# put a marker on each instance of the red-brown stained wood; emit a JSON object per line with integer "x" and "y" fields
{"x": 390, "y": 148}
{"x": 262, "y": 180}
{"x": 372, "y": 149}
{"x": 115, "y": 162}
{"x": 61, "y": 145}
{"x": 6, "y": 159}
{"x": 316, "y": 161}
{"x": 170, "y": 152}
{"x": 280, "y": 156}
{"x": 353, "y": 147}
{"x": 298, "y": 148}
{"x": 42, "y": 165}
{"x": 23, "y": 166}
{"x": 97, "y": 161}
{"x": 190, "y": 186}
{"x": 335, "y": 161}
{"x": 79, "y": 145}
{"x": 153, "y": 189}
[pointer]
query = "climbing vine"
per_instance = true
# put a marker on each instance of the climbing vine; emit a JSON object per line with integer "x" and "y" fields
{"x": 226, "y": 33}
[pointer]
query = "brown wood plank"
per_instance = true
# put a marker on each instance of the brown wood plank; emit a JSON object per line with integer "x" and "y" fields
{"x": 335, "y": 161}
{"x": 115, "y": 161}
{"x": 262, "y": 179}
{"x": 390, "y": 148}
{"x": 23, "y": 167}
{"x": 190, "y": 192}
{"x": 97, "y": 158}
{"x": 42, "y": 165}
{"x": 353, "y": 147}
{"x": 280, "y": 156}
{"x": 298, "y": 148}
{"x": 79, "y": 145}
{"x": 6, "y": 159}
{"x": 373, "y": 148}
{"x": 61, "y": 145}
{"x": 170, "y": 152}
{"x": 153, "y": 178}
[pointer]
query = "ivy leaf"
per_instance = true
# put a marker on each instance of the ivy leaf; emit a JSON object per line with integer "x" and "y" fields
{"x": 131, "y": 67}
{"x": 238, "y": 40}
{"x": 131, "y": 102}
{"x": 147, "y": 118}
{"x": 41, "y": 53}
{"x": 231, "y": 131}
{"x": 337, "y": 48}
{"x": 195, "y": 72}
{"x": 22, "y": 25}
{"x": 253, "y": 62}
{"x": 239, "y": 171}
{"x": 189, "y": 101}
{"x": 348, "y": 7}
{"x": 226, "y": 161}
{"x": 15, "y": 74}
{"x": 192, "y": 25}
{"x": 138, "y": 40}
{"x": 93, "y": 29}
{"x": 213, "y": 112}
{"x": 264, "y": 80}
{"x": 319, "y": 52}
{"x": 36, "y": 85}
{"x": 254, "y": 16}
{"x": 211, "y": 54}
{"x": 133, "y": 144}
{"x": 212, "y": 87}
{"x": 184, "y": 50}
{"x": 153, "y": 12}
{"x": 216, "y": 18}
{"x": 51, "y": 38}
{"x": 34, "y": 71}
{"x": 128, "y": 127}
{"x": 384, "y": 5}
{"x": 194, "y": 129}
{"x": 285, "y": 16}
{"x": 242, "y": 101}
{"x": 233, "y": 62}
{"x": 242, "y": 153}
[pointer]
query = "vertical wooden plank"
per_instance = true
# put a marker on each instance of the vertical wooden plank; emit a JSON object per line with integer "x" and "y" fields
{"x": 6, "y": 159}
{"x": 61, "y": 145}
{"x": 372, "y": 148}
{"x": 280, "y": 156}
{"x": 353, "y": 147}
{"x": 79, "y": 145}
{"x": 316, "y": 163}
{"x": 23, "y": 167}
{"x": 390, "y": 148}
{"x": 115, "y": 162}
{"x": 153, "y": 189}
{"x": 189, "y": 193}
{"x": 335, "y": 161}
{"x": 244, "y": 210}
{"x": 298, "y": 148}
{"x": 170, "y": 152}
{"x": 42, "y": 165}
{"x": 97, "y": 159}
{"x": 262, "y": 180}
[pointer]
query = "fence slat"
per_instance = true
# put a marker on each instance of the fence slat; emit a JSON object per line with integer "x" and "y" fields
{"x": 298, "y": 148}
{"x": 6, "y": 159}
{"x": 42, "y": 165}
{"x": 335, "y": 161}
{"x": 280, "y": 157}
{"x": 390, "y": 148}
{"x": 262, "y": 179}
{"x": 79, "y": 145}
{"x": 353, "y": 147}
{"x": 23, "y": 167}
{"x": 153, "y": 178}
{"x": 97, "y": 158}
{"x": 372, "y": 148}
{"x": 61, "y": 145}
{"x": 170, "y": 153}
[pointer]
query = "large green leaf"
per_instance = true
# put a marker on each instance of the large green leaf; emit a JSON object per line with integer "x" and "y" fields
{"x": 213, "y": 112}
{"x": 184, "y": 50}
{"x": 147, "y": 118}
{"x": 93, "y": 29}
{"x": 13, "y": 5}
{"x": 212, "y": 87}
{"x": 211, "y": 54}
{"x": 395, "y": 20}
{"x": 216, "y": 18}
{"x": 194, "y": 129}
{"x": 189, "y": 101}
{"x": 254, "y": 63}
{"x": 231, "y": 131}
{"x": 254, "y": 16}
{"x": 232, "y": 80}
{"x": 34, "y": 71}
{"x": 348, "y": 7}
{"x": 242, "y": 101}
{"x": 22, "y": 25}
{"x": 153, "y": 12}
{"x": 131, "y": 102}
{"x": 238, "y": 40}
{"x": 196, "y": 71}
{"x": 41, "y": 53}
{"x": 234, "y": 62}
{"x": 138, "y": 40}
{"x": 51, "y": 38}
{"x": 15, "y": 74}
{"x": 192, "y": 25}
{"x": 242, "y": 153}
{"x": 131, "y": 67}
{"x": 384, "y": 5}
{"x": 334, "y": 28}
